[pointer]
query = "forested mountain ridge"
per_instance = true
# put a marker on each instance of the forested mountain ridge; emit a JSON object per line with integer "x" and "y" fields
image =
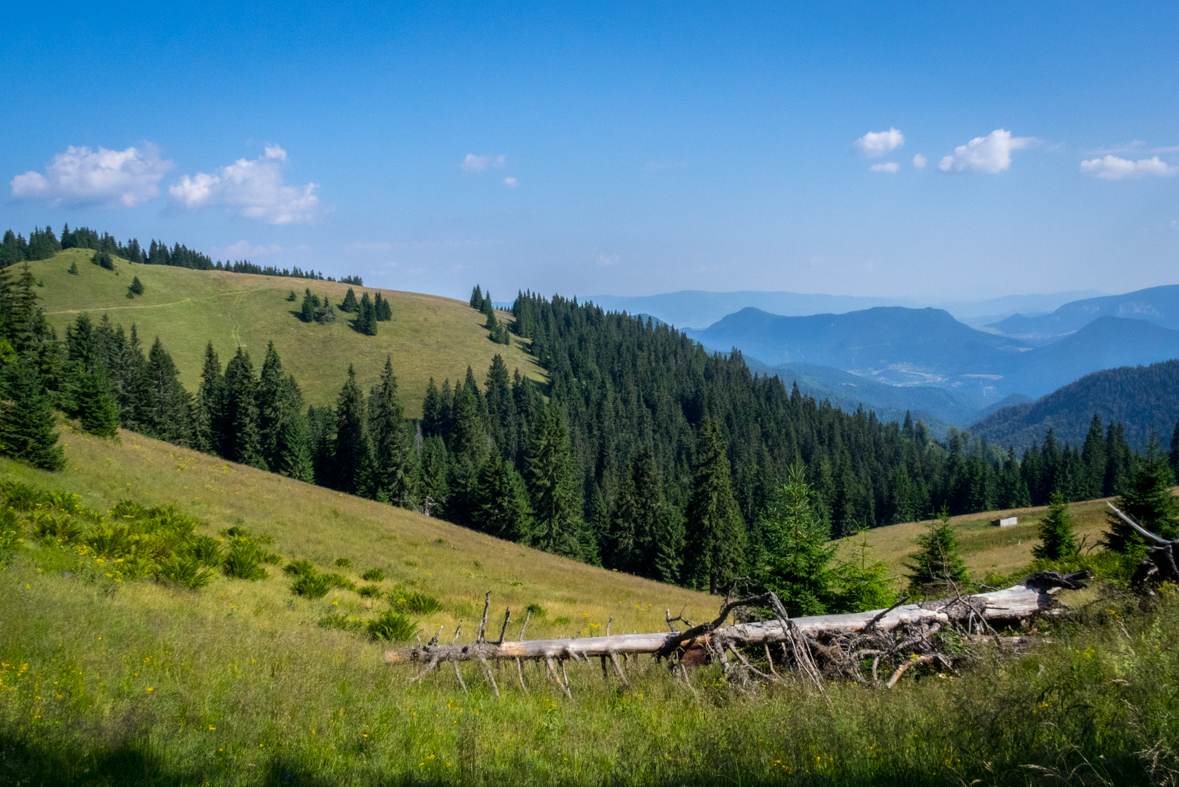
{"x": 1145, "y": 399}
{"x": 637, "y": 449}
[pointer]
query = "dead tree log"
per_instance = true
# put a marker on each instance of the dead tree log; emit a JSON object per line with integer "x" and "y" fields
{"x": 1031, "y": 597}
{"x": 1161, "y": 563}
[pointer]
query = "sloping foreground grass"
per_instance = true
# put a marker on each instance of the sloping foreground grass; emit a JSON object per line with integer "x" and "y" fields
{"x": 105, "y": 682}
{"x": 428, "y": 337}
{"x": 985, "y": 548}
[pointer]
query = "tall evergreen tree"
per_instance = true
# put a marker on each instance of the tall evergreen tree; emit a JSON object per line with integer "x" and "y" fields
{"x": 432, "y": 477}
{"x": 308, "y": 309}
{"x": 208, "y": 427}
{"x": 1057, "y": 541}
{"x": 640, "y": 519}
{"x": 169, "y": 407}
{"x": 349, "y": 304}
{"x": 242, "y": 439}
{"x": 1094, "y": 459}
{"x": 796, "y": 562}
{"x": 938, "y": 568}
{"x": 552, "y": 488}
{"x": 94, "y": 404}
{"x": 503, "y": 502}
{"x": 351, "y": 449}
{"x": 393, "y": 456}
{"x": 292, "y": 449}
{"x": 715, "y": 532}
{"x": 384, "y": 310}
{"x": 1146, "y": 497}
{"x": 366, "y": 317}
{"x": 1175, "y": 450}
{"x": 26, "y": 418}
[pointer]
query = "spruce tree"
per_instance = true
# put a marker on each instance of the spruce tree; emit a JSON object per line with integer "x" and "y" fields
{"x": 73, "y": 271}
{"x": 307, "y": 312}
{"x": 242, "y": 438}
{"x": 1057, "y": 541}
{"x": 477, "y": 298}
{"x": 351, "y": 448}
{"x": 502, "y": 507}
{"x": 210, "y": 405}
{"x": 432, "y": 410}
{"x": 1175, "y": 450}
{"x": 26, "y": 418}
{"x": 1146, "y": 498}
{"x": 715, "y": 532}
{"x": 863, "y": 583}
{"x": 94, "y": 404}
{"x": 796, "y": 562}
{"x": 366, "y": 318}
{"x": 432, "y": 478}
{"x": 384, "y": 309}
{"x": 552, "y": 488}
{"x": 292, "y": 443}
{"x": 393, "y": 455}
{"x": 349, "y": 304}
{"x": 938, "y": 568}
{"x": 136, "y": 286}
{"x": 168, "y": 413}
{"x": 640, "y": 517}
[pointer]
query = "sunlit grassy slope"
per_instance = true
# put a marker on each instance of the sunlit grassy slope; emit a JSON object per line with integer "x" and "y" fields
{"x": 985, "y": 548}
{"x": 429, "y": 336}
{"x": 452, "y": 563}
{"x": 133, "y": 682}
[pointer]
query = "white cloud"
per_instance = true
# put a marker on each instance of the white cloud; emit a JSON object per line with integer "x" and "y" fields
{"x": 608, "y": 260}
{"x": 989, "y": 154}
{"x": 1114, "y": 168}
{"x": 244, "y": 250}
{"x": 81, "y": 176}
{"x": 890, "y": 166}
{"x": 511, "y": 182}
{"x": 253, "y": 188}
{"x": 474, "y": 163}
{"x": 920, "y": 161}
{"x": 875, "y": 144}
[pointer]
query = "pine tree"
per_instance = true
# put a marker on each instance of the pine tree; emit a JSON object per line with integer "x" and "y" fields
{"x": 94, "y": 403}
{"x": 1146, "y": 497}
{"x": 26, "y": 419}
{"x": 242, "y": 439}
{"x": 208, "y": 426}
{"x": 73, "y": 271}
{"x": 351, "y": 448}
{"x": 168, "y": 414}
{"x": 477, "y": 298}
{"x": 136, "y": 286}
{"x": 715, "y": 532}
{"x": 292, "y": 443}
{"x": 384, "y": 309}
{"x": 863, "y": 583}
{"x": 307, "y": 313}
{"x": 349, "y": 304}
{"x": 432, "y": 479}
{"x": 366, "y": 318}
{"x": 551, "y": 488}
{"x": 502, "y": 508}
{"x": 641, "y": 519}
{"x": 797, "y": 560}
{"x": 1057, "y": 541}
{"x": 1094, "y": 459}
{"x": 393, "y": 457}
{"x": 938, "y": 568}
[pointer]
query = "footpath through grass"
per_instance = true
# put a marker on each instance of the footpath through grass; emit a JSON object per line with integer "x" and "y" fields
{"x": 429, "y": 336}
{"x": 105, "y": 681}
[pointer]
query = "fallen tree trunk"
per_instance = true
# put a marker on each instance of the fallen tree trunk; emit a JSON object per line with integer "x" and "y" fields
{"x": 1033, "y": 596}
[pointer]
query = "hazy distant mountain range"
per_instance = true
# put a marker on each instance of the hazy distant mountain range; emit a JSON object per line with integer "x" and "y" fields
{"x": 1158, "y": 305}
{"x": 697, "y": 309}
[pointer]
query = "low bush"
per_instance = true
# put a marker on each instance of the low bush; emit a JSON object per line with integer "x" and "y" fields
{"x": 184, "y": 570}
{"x": 369, "y": 591}
{"x": 338, "y": 581}
{"x": 343, "y": 562}
{"x": 313, "y": 585}
{"x": 415, "y": 602}
{"x": 373, "y": 575}
{"x": 298, "y": 568}
{"x": 392, "y": 626}
{"x": 244, "y": 561}
{"x": 342, "y": 622}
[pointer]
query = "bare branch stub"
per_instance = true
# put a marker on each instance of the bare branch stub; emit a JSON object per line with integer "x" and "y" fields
{"x": 483, "y": 625}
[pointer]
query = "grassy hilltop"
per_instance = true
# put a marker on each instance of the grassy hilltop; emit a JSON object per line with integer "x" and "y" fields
{"x": 429, "y": 336}
{"x": 133, "y": 682}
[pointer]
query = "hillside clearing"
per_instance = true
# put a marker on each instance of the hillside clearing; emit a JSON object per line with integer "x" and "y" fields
{"x": 429, "y": 336}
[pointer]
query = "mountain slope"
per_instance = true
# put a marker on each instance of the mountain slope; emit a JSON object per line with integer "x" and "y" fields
{"x": 1158, "y": 305}
{"x": 1143, "y": 399}
{"x": 428, "y": 337}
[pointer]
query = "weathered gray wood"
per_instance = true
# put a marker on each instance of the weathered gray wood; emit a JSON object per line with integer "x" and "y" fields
{"x": 1031, "y": 597}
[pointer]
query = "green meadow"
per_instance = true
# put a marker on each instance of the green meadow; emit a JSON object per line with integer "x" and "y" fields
{"x": 109, "y": 679}
{"x": 429, "y": 336}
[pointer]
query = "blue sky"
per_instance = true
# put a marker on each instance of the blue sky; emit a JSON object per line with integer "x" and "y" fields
{"x": 614, "y": 148}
